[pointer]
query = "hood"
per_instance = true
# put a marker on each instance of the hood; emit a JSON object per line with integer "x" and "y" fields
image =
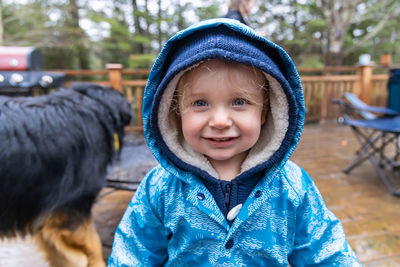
{"x": 230, "y": 40}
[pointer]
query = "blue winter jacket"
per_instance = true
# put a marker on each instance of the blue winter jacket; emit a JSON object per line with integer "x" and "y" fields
{"x": 174, "y": 220}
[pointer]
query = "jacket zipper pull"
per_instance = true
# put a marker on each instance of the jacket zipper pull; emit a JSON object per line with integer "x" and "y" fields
{"x": 228, "y": 188}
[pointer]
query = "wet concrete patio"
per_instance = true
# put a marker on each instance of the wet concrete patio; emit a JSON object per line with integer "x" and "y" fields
{"x": 369, "y": 214}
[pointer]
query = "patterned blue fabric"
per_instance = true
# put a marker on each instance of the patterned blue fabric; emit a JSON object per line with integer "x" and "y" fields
{"x": 173, "y": 220}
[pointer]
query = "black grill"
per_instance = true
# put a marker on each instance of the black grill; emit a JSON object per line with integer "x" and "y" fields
{"x": 21, "y": 74}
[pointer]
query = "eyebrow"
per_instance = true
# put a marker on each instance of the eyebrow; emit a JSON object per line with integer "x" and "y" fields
{"x": 247, "y": 94}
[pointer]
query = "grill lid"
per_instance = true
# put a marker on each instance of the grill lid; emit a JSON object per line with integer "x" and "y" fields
{"x": 20, "y": 58}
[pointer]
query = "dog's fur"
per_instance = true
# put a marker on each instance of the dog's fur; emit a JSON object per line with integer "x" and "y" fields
{"x": 54, "y": 152}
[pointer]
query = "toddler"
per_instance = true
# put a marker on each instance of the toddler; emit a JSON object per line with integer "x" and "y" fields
{"x": 223, "y": 111}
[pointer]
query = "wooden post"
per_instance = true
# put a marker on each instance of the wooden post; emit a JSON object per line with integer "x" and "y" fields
{"x": 365, "y": 81}
{"x": 324, "y": 102}
{"x": 115, "y": 76}
{"x": 138, "y": 96}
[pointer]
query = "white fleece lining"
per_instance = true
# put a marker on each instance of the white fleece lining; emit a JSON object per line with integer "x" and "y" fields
{"x": 271, "y": 137}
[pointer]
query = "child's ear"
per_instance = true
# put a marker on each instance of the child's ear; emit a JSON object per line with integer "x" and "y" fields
{"x": 265, "y": 110}
{"x": 264, "y": 115}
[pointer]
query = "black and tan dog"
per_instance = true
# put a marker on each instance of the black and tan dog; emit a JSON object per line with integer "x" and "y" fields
{"x": 54, "y": 152}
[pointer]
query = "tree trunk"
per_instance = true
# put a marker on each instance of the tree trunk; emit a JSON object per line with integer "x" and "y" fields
{"x": 159, "y": 25}
{"x": 137, "y": 26}
{"x": 147, "y": 20}
{"x": 338, "y": 14}
{"x": 1, "y": 24}
{"x": 82, "y": 51}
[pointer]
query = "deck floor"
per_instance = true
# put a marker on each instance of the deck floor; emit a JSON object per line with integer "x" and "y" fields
{"x": 369, "y": 214}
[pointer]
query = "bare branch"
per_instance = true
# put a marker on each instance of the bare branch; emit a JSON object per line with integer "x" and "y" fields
{"x": 391, "y": 14}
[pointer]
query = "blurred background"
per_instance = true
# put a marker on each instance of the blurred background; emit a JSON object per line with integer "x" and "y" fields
{"x": 339, "y": 46}
{"x": 82, "y": 34}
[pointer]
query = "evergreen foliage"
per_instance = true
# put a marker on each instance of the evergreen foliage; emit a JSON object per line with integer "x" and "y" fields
{"x": 84, "y": 35}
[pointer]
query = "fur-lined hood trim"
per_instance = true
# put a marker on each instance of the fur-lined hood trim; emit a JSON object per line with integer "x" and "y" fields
{"x": 230, "y": 40}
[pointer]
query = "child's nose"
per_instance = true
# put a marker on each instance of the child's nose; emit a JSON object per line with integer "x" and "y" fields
{"x": 220, "y": 119}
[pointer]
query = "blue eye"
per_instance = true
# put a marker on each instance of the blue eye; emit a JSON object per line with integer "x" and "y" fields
{"x": 200, "y": 103}
{"x": 239, "y": 102}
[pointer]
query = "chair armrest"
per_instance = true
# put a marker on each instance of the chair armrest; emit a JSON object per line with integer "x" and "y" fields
{"x": 380, "y": 110}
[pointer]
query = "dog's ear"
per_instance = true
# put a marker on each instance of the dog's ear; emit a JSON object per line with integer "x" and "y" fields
{"x": 84, "y": 87}
{"x": 112, "y": 99}
{"x": 126, "y": 118}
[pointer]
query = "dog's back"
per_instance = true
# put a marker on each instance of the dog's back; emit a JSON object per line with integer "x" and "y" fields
{"x": 54, "y": 152}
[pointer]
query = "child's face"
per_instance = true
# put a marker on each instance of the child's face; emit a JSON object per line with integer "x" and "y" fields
{"x": 246, "y": 6}
{"x": 222, "y": 110}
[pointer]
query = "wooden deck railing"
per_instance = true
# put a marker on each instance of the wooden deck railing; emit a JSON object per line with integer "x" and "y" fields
{"x": 320, "y": 87}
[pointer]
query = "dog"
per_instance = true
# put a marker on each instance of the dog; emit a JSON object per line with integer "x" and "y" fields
{"x": 54, "y": 153}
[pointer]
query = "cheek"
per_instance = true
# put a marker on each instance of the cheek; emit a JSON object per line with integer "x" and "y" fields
{"x": 190, "y": 127}
{"x": 252, "y": 126}
{"x": 253, "y": 131}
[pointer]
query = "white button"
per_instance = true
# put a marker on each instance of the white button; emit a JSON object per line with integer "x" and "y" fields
{"x": 234, "y": 212}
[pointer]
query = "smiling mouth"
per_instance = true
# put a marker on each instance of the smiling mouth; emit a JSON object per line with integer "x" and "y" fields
{"x": 225, "y": 139}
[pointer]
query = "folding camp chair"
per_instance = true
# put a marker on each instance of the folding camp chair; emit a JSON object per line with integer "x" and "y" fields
{"x": 359, "y": 109}
{"x": 378, "y": 138}
{"x": 368, "y": 112}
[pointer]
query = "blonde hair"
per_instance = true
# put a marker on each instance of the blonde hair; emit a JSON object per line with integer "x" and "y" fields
{"x": 233, "y": 71}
